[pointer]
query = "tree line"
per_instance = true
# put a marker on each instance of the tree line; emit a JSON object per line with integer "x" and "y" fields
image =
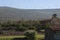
{"x": 22, "y": 25}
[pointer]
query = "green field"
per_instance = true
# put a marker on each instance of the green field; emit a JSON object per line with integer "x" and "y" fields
{"x": 37, "y": 36}
{"x": 10, "y": 37}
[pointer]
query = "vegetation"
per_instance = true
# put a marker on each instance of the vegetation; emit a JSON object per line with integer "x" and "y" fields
{"x": 10, "y": 37}
{"x": 30, "y": 35}
{"x": 22, "y": 26}
{"x": 37, "y": 36}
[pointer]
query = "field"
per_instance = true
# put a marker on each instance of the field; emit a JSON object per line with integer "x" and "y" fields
{"x": 18, "y": 29}
{"x": 38, "y": 36}
{"x": 10, "y": 37}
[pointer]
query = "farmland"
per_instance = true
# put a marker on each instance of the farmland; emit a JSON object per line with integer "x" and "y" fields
{"x": 38, "y": 36}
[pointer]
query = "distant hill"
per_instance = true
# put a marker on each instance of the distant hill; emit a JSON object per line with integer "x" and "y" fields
{"x": 8, "y": 13}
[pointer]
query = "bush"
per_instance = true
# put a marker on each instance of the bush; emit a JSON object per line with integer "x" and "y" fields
{"x": 30, "y": 35}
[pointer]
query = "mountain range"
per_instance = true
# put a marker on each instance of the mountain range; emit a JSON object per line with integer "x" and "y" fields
{"x": 9, "y": 13}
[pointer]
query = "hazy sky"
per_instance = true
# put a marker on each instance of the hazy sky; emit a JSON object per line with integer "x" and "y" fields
{"x": 31, "y": 4}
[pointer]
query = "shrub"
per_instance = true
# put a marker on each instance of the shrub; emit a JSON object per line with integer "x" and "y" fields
{"x": 30, "y": 35}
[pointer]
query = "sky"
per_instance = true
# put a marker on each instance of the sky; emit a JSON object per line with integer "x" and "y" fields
{"x": 31, "y": 4}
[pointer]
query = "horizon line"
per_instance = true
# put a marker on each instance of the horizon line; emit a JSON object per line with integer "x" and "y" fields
{"x": 27, "y": 8}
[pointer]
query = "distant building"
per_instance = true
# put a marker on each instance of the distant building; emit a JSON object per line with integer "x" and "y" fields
{"x": 53, "y": 31}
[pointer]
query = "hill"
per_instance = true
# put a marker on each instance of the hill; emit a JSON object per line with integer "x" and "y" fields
{"x": 8, "y": 13}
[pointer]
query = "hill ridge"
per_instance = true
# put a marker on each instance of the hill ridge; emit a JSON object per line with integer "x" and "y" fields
{"x": 8, "y": 13}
